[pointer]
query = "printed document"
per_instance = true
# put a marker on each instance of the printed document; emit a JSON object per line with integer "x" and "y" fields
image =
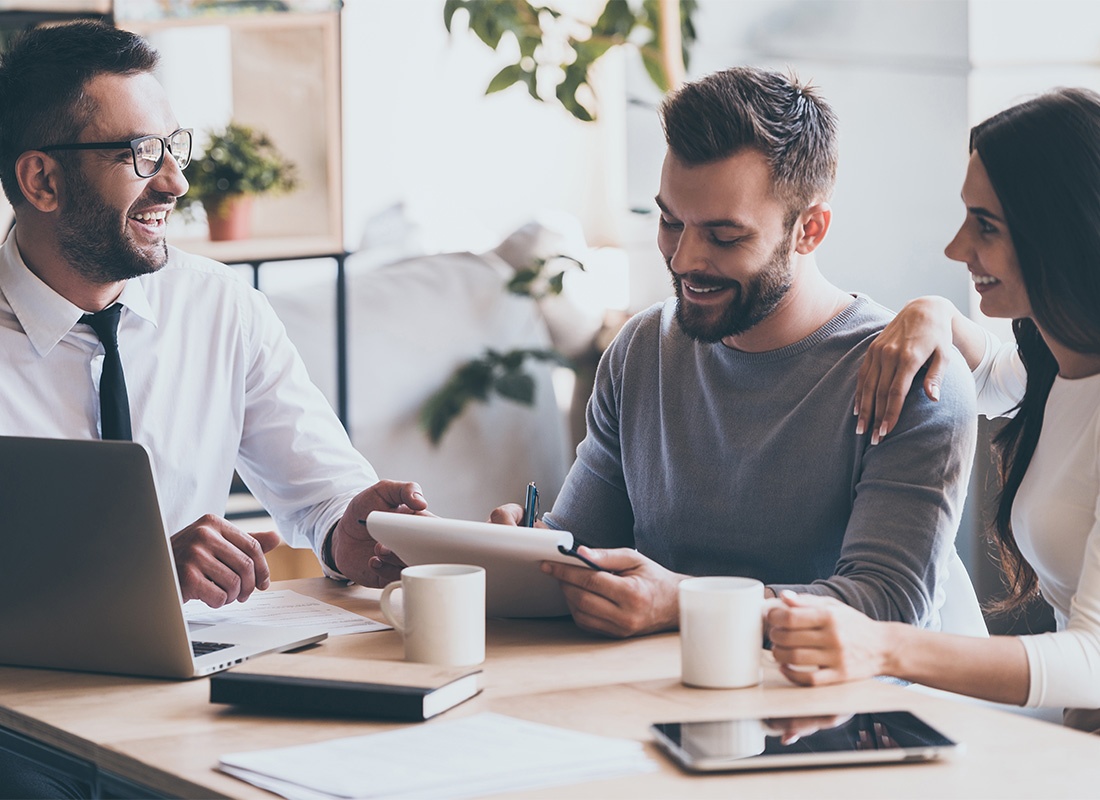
{"x": 473, "y": 756}
{"x": 279, "y": 608}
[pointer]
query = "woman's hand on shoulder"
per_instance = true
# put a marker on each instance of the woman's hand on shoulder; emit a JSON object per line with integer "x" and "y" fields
{"x": 920, "y": 334}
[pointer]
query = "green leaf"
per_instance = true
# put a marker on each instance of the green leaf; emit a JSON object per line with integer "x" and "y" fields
{"x": 529, "y": 42}
{"x": 449, "y": 9}
{"x": 523, "y": 279}
{"x": 513, "y": 360}
{"x": 567, "y": 93}
{"x": 616, "y": 19}
{"x": 518, "y": 386}
{"x": 532, "y": 84}
{"x": 493, "y": 371}
{"x": 618, "y": 23}
{"x": 475, "y": 378}
{"x": 505, "y": 78}
{"x": 654, "y": 67}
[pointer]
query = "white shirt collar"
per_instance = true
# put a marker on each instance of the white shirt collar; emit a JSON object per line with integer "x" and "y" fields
{"x": 45, "y": 315}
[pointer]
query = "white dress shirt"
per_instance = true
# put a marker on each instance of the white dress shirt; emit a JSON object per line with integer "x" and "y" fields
{"x": 214, "y": 385}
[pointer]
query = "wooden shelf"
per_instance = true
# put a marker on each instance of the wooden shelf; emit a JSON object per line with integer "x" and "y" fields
{"x": 285, "y": 81}
{"x": 271, "y": 248}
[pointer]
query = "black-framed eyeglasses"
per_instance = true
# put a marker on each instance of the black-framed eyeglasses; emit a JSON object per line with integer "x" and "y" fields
{"x": 148, "y": 151}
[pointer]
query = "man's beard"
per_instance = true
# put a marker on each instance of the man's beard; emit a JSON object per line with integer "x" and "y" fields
{"x": 749, "y": 306}
{"x": 92, "y": 240}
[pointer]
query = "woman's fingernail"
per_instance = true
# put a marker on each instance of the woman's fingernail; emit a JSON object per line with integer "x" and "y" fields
{"x": 935, "y": 391}
{"x": 859, "y": 428}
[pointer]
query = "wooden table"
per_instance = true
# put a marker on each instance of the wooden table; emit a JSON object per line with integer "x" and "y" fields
{"x": 168, "y": 737}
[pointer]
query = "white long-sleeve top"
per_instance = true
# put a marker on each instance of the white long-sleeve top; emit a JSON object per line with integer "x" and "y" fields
{"x": 1056, "y": 522}
{"x": 213, "y": 384}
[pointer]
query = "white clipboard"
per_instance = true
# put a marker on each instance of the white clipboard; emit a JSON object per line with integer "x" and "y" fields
{"x": 514, "y": 584}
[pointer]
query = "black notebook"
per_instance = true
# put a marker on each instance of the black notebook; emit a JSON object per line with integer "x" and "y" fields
{"x": 394, "y": 690}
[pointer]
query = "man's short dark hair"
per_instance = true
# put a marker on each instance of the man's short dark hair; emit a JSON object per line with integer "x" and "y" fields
{"x": 743, "y": 107}
{"x": 42, "y": 80}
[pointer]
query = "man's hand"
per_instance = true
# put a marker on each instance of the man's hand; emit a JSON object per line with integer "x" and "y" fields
{"x": 219, "y": 563}
{"x": 356, "y": 555}
{"x": 637, "y": 596}
{"x": 511, "y": 514}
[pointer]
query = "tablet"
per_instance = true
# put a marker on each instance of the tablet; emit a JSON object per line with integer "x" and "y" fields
{"x": 514, "y": 584}
{"x": 798, "y": 742}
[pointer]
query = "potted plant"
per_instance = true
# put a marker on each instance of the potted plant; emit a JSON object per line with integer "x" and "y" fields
{"x": 496, "y": 372}
{"x": 239, "y": 163}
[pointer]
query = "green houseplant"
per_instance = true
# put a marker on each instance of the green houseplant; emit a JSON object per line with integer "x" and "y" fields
{"x": 495, "y": 372}
{"x": 557, "y": 49}
{"x": 239, "y": 163}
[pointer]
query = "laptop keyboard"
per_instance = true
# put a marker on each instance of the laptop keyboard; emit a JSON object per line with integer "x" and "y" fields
{"x": 203, "y": 648}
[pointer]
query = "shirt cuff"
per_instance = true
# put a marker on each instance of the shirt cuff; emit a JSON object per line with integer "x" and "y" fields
{"x": 328, "y": 564}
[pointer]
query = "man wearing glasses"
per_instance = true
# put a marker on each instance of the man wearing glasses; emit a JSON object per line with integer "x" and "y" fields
{"x": 107, "y": 332}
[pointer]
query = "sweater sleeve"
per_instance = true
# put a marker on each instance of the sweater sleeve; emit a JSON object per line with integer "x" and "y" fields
{"x": 593, "y": 503}
{"x": 909, "y": 492}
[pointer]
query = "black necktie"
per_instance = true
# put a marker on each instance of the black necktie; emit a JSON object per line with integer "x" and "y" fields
{"x": 114, "y": 407}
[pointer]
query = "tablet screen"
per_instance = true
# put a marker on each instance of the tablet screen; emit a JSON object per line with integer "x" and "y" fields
{"x": 822, "y": 740}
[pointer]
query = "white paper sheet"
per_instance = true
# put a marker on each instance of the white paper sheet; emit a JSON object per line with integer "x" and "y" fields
{"x": 282, "y": 608}
{"x": 476, "y": 755}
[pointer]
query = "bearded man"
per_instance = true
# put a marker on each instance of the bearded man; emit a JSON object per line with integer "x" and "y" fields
{"x": 721, "y": 438}
{"x": 107, "y": 332}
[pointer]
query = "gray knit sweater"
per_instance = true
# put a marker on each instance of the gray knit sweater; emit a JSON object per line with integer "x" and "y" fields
{"x": 714, "y": 461}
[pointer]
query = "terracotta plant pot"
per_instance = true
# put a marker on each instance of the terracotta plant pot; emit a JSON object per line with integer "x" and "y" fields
{"x": 229, "y": 217}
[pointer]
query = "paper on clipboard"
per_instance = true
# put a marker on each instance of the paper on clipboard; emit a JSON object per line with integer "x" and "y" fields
{"x": 514, "y": 584}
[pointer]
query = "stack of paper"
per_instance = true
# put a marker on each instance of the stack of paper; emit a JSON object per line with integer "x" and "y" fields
{"x": 477, "y": 755}
{"x": 280, "y": 608}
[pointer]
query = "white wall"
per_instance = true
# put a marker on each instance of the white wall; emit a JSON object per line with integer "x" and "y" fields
{"x": 419, "y": 129}
{"x": 895, "y": 71}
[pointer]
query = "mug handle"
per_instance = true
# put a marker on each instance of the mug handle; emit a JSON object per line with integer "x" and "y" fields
{"x": 387, "y": 609}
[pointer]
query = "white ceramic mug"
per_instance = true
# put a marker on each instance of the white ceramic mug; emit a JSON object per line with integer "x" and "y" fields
{"x": 721, "y": 632}
{"x": 443, "y": 619}
{"x": 731, "y": 738}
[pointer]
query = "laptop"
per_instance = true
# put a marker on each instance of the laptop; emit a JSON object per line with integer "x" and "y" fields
{"x": 87, "y": 578}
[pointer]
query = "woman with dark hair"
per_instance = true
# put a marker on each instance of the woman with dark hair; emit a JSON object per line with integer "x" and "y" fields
{"x": 1031, "y": 241}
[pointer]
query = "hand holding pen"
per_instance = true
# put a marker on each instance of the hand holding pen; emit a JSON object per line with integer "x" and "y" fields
{"x": 530, "y": 514}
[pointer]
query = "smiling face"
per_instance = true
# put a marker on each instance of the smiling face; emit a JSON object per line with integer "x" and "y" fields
{"x": 111, "y": 222}
{"x": 725, "y": 243}
{"x": 985, "y": 245}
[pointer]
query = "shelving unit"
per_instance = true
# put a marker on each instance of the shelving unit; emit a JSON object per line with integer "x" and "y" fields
{"x": 284, "y": 79}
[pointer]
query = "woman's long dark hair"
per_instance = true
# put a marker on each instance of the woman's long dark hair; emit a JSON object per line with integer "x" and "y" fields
{"x": 1043, "y": 161}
